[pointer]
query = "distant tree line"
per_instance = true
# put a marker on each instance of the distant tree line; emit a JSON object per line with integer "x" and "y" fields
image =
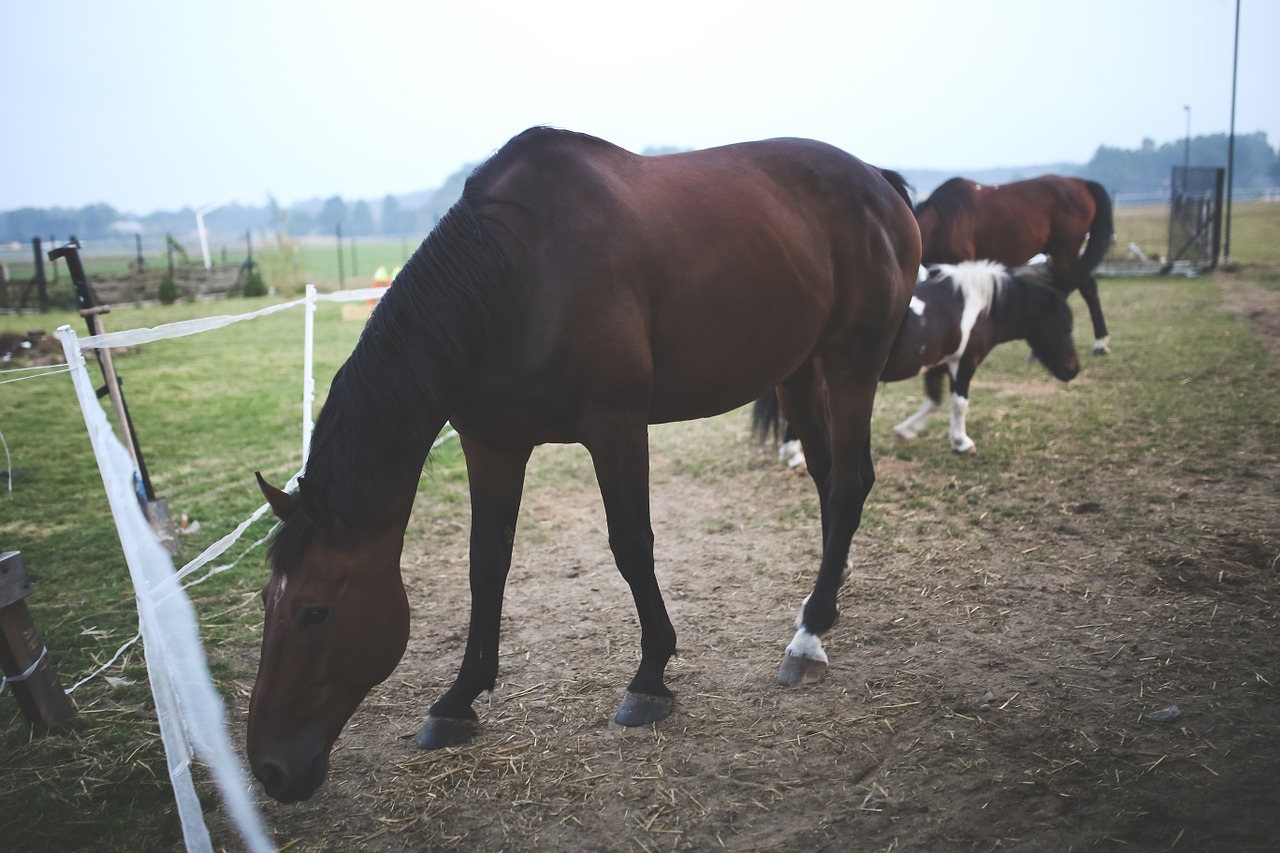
{"x": 1121, "y": 170}
{"x": 1147, "y": 169}
{"x": 413, "y": 215}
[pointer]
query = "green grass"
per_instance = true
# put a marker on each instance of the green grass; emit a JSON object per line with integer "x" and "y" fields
{"x": 1255, "y": 230}
{"x": 1187, "y": 388}
{"x": 209, "y": 410}
{"x": 1186, "y": 384}
{"x": 321, "y": 261}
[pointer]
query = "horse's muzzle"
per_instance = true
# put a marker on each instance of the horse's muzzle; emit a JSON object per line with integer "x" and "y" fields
{"x": 294, "y": 773}
{"x": 1069, "y": 370}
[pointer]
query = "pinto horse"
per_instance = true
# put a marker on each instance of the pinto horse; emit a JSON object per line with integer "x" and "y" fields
{"x": 958, "y": 315}
{"x": 576, "y": 293}
{"x": 1011, "y": 223}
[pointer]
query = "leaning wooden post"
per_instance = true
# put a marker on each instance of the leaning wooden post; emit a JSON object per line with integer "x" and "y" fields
{"x": 28, "y": 671}
{"x": 111, "y": 380}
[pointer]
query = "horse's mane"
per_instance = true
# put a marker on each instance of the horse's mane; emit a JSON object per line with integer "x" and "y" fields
{"x": 953, "y": 198}
{"x": 389, "y": 400}
{"x": 1004, "y": 292}
{"x": 982, "y": 283}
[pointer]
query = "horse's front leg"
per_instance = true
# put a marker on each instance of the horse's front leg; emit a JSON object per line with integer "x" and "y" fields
{"x": 960, "y": 441}
{"x": 619, "y": 447}
{"x": 496, "y": 474}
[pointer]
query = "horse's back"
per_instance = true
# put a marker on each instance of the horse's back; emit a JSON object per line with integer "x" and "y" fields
{"x": 1008, "y": 223}
{"x": 697, "y": 279}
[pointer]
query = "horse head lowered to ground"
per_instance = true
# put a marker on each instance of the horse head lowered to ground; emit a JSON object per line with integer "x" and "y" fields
{"x": 577, "y": 293}
{"x": 1011, "y": 223}
{"x": 958, "y": 315}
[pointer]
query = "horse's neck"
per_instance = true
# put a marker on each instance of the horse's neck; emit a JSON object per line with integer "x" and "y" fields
{"x": 372, "y": 479}
{"x": 1010, "y": 313}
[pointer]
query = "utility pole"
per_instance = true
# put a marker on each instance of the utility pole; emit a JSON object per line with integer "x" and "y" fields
{"x": 341, "y": 278}
{"x": 1231, "y": 142}
{"x": 1186, "y": 161}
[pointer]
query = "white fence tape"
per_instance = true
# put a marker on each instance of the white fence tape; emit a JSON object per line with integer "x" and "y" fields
{"x": 191, "y": 712}
{"x": 133, "y": 337}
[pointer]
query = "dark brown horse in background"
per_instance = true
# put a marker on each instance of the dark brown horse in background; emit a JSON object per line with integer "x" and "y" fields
{"x": 1011, "y": 223}
{"x": 577, "y": 293}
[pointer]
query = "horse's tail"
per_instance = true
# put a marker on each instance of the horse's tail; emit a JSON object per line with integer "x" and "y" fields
{"x": 899, "y": 185}
{"x": 766, "y": 417}
{"x": 1101, "y": 231}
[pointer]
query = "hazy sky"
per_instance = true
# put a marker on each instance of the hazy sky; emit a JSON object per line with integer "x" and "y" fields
{"x": 159, "y": 105}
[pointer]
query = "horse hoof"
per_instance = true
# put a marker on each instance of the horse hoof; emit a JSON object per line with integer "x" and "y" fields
{"x": 1102, "y": 350}
{"x": 797, "y": 671}
{"x": 439, "y": 732}
{"x": 641, "y": 709}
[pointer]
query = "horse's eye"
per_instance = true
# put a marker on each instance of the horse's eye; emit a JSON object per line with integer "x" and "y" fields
{"x": 313, "y": 617}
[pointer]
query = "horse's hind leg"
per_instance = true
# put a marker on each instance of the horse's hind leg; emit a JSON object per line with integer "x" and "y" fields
{"x": 1101, "y": 339}
{"x": 910, "y": 428}
{"x": 619, "y": 447}
{"x": 802, "y": 400}
{"x": 496, "y": 474}
{"x": 843, "y": 487}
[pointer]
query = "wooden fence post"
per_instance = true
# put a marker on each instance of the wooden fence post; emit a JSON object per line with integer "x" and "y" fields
{"x": 23, "y": 655}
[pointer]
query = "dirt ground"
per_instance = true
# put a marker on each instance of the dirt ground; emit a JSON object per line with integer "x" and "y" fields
{"x": 991, "y": 685}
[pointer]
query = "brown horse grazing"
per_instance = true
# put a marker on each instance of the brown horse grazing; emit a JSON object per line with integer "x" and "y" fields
{"x": 958, "y": 315}
{"x": 1011, "y": 223}
{"x": 576, "y": 293}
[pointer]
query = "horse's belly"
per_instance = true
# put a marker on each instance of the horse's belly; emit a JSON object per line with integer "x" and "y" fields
{"x": 719, "y": 363}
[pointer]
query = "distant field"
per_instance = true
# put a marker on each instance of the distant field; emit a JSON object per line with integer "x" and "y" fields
{"x": 320, "y": 262}
{"x": 1145, "y": 225}
{"x": 1255, "y": 230}
{"x": 1255, "y": 238}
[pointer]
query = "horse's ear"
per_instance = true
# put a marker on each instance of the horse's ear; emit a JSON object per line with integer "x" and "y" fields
{"x": 277, "y": 498}
{"x": 317, "y": 511}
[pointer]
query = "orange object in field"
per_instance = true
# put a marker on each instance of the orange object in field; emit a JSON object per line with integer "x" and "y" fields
{"x": 381, "y": 278}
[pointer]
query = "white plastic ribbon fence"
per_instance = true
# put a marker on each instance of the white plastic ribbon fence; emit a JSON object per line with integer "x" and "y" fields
{"x": 193, "y": 722}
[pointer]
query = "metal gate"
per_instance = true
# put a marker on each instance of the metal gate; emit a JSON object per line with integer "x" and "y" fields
{"x": 1195, "y": 217}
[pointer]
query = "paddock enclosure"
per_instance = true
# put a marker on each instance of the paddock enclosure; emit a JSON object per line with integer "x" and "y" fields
{"x": 1011, "y": 620}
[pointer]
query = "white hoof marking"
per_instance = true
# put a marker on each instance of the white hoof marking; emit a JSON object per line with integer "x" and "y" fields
{"x": 807, "y": 645}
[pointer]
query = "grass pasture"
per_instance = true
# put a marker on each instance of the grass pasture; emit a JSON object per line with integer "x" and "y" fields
{"x": 1148, "y": 482}
{"x": 1255, "y": 230}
